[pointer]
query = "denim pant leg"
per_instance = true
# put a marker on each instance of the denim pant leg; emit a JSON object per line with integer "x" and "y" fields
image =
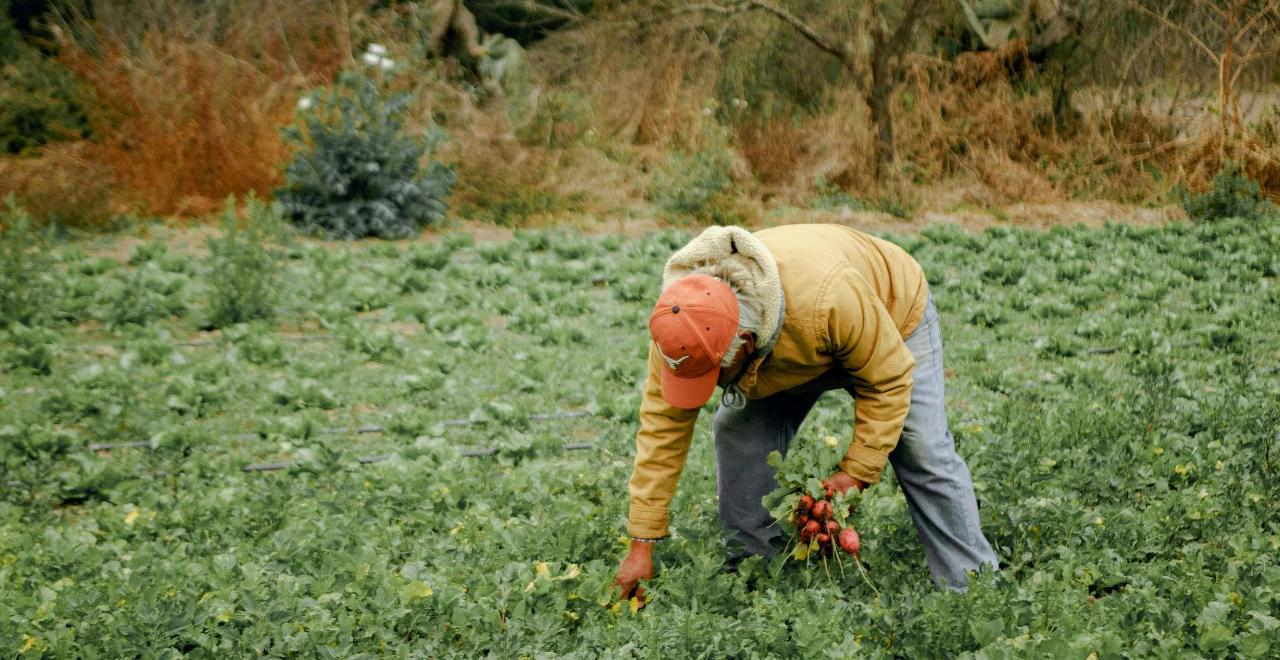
{"x": 744, "y": 437}
{"x": 934, "y": 478}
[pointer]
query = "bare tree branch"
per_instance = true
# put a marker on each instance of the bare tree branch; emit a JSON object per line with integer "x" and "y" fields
{"x": 897, "y": 42}
{"x": 1213, "y": 5}
{"x": 1256, "y": 17}
{"x": 543, "y": 8}
{"x": 1251, "y": 56}
{"x": 823, "y": 42}
{"x": 1164, "y": 19}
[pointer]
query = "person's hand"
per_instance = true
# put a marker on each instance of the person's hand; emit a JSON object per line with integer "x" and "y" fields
{"x": 842, "y": 482}
{"x": 637, "y": 566}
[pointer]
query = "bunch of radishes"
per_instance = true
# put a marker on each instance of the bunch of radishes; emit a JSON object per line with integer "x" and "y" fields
{"x": 816, "y": 525}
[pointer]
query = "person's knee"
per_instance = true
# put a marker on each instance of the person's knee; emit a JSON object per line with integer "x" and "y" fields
{"x": 928, "y": 453}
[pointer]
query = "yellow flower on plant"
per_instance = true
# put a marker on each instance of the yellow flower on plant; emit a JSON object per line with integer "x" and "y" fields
{"x": 574, "y": 571}
{"x": 225, "y": 615}
{"x": 831, "y": 441}
{"x": 130, "y": 517}
{"x": 634, "y": 604}
{"x": 1181, "y": 469}
{"x": 542, "y": 569}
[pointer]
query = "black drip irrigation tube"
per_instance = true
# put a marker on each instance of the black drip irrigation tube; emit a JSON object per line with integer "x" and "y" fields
{"x": 366, "y": 460}
{"x": 478, "y": 452}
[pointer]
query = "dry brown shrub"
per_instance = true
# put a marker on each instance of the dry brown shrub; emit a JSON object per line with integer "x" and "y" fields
{"x": 186, "y": 114}
{"x": 775, "y": 150}
{"x": 789, "y": 155}
{"x": 1011, "y": 180}
{"x": 649, "y": 82}
{"x": 949, "y": 114}
{"x": 61, "y": 185}
{"x": 498, "y": 174}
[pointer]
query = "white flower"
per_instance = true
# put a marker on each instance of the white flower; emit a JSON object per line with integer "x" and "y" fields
{"x": 376, "y": 49}
{"x": 387, "y": 63}
{"x": 304, "y": 103}
{"x": 706, "y": 111}
{"x": 370, "y": 59}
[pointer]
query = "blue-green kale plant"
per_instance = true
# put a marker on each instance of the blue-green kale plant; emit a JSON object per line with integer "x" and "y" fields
{"x": 357, "y": 172}
{"x": 1233, "y": 195}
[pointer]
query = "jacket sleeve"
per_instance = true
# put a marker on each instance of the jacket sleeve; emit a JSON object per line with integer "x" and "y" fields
{"x": 662, "y": 445}
{"x": 864, "y": 339}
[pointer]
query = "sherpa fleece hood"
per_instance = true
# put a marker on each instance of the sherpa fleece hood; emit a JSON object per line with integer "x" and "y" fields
{"x": 847, "y": 301}
{"x": 746, "y": 264}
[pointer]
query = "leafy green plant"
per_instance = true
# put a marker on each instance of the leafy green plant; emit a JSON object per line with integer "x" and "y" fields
{"x": 142, "y": 296}
{"x": 693, "y": 185}
{"x": 31, "y": 349}
{"x": 1233, "y": 195}
{"x": 26, "y": 289}
{"x": 357, "y": 172}
{"x": 244, "y": 282}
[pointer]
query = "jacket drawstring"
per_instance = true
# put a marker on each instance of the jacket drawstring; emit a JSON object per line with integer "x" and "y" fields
{"x": 733, "y": 397}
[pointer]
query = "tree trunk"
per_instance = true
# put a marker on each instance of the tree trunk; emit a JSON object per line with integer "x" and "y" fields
{"x": 878, "y": 102}
{"x": 1224, "y": 87}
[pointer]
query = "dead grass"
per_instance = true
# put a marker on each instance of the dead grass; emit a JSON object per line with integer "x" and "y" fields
{"x": 63, "y": 184}
{"x": 189, "y": 112}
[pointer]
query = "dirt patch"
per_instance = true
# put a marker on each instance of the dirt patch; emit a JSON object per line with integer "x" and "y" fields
{"x": 970, "y": 205}
{"x": 976, "y": 218}
{"x": 403, "y": 328}
{"x": 179, "y": 237}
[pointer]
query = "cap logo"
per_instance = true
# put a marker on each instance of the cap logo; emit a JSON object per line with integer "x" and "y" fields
{"x": 674, "y": 364}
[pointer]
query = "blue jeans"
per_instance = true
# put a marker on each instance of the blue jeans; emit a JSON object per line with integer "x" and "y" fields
{"x": 934, "y": 478}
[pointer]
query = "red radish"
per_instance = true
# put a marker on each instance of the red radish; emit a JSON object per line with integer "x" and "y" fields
{"x": 849, "y": 540}
{"x": 801, "y": 520}
{"x": 806, "y": 503}
{"x": 812, "y": 527}
{"x": 831, "y": 491}
{"x": 822, "y": 509}
{"x": 824, "y": 538}
{"x": 833, "y": 527}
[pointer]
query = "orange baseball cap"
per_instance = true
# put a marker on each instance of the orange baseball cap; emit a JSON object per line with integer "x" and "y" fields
{"x": 692, "y": 326}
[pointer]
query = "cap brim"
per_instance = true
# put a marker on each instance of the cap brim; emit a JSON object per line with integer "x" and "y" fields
{"x": 689, "y": 393}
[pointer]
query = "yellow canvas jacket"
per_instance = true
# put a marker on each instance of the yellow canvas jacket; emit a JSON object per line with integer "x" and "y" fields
{"x": 850, "y": 301}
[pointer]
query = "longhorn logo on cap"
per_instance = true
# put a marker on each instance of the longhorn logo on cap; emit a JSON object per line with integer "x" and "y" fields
{"x": 674, "y": 364}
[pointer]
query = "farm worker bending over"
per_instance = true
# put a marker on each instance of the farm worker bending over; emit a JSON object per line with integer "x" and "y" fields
{"x": 776, "y": 318}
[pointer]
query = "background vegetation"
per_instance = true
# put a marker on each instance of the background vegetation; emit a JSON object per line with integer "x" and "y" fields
{"x": 679, "y": 111}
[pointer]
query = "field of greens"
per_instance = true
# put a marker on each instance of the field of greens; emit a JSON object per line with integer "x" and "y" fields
{"x": 423, "y": 451}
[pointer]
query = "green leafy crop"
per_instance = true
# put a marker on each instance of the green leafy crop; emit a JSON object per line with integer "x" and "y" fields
{"x": 379, "y": 469}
